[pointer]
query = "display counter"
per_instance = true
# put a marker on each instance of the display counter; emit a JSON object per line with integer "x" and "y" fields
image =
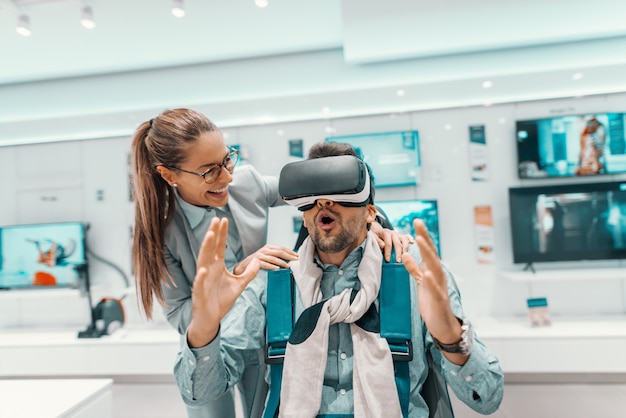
{"x": 56, "y": 398}
{"x": 571, "y": 346}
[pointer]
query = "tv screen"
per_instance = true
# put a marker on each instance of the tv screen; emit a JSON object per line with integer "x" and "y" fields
{"x": 401, "y": 214}
{"x": 567, "y": 146}
{"x": 41, "y": 255}
{"x": 568, "y": 222}
{"x": 394, "y": 157}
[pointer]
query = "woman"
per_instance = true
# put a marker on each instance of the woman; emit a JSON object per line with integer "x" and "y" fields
{"x": 183, "y": 178}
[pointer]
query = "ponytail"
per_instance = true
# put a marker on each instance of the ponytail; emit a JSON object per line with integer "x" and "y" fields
{"x": 164, "y": 141}
{"x": 154, "y": 207}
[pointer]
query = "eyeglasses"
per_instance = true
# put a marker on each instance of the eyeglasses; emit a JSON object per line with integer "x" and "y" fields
{"x": 211, "y": 174}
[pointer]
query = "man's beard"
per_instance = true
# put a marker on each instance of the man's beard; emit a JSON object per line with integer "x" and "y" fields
{"x": 350, "y": 233}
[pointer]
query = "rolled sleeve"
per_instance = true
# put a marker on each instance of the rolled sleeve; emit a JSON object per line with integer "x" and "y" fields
{"x": 479, "y": 382}
{"x": 200, "y": 373}
{"x": 206, "y": 373}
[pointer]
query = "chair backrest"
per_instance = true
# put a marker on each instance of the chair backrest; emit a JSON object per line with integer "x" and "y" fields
{"x": 435, "y": 389}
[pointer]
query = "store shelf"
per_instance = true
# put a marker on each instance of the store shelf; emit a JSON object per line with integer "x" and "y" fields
{"x": 568, "y": 346}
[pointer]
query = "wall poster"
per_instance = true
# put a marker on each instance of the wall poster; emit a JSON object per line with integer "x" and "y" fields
{"x": 478, "y": 153}
{"x": 483, "y": 227}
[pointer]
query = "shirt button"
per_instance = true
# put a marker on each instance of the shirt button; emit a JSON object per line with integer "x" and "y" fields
{"x": 343, "y": 356}
{"x": 342, "y": 391}
{"x": 206, "y": 358}
{"x": 191, "y": 362}
{"x": 188, "y": 391}
{"x": 340, "y": 272}
{"x": 453, "y": 373}
{"x": 468, "y": 378}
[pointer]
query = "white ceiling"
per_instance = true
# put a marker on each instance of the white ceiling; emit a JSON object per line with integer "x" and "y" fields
{"x": 241, "y": 64}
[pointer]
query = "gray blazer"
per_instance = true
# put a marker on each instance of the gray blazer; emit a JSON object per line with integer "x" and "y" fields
{"x": 251, "y": 196}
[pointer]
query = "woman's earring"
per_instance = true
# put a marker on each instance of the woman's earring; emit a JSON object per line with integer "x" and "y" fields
{"x": 174, "y": 185}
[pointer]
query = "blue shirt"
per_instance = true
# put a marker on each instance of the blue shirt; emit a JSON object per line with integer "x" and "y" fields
{"x": 200, "y": 218}
{"x": 207, "y": 372}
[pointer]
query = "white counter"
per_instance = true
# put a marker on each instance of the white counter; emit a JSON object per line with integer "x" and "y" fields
{"x": 62, "y": 398}
{"x": 570, "y": 345}
{"x": 128, "y": 352}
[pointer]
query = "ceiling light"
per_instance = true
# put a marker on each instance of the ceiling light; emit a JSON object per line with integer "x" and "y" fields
{"x": 326, "y": 110}
{"x": 400, "y": 92}
{"x": 447, "y": 127}
{"x": 577, "y": 76}
{"x": 87, "y": 18}
{"x": 487, "y": 84}
{"x": 23, "y": 25}
{"x": 261, "y": 3}
{"x": 178, "y": 9}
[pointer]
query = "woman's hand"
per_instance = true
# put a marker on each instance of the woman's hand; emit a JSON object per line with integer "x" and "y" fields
{"x": 215, "y": 289}
{"x": 389, "y": 239}
{"x": 271, "y": 257}
{"x": 432, "y": 295}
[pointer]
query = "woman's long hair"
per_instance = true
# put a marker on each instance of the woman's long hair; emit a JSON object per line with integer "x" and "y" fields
{"x": 165, "y": 141}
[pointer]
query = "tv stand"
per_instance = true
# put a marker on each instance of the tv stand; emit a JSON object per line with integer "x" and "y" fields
{"x": 92, "y": 330}
{"x": 529, "y": 267}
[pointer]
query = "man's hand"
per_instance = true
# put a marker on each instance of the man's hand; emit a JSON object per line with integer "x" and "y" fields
{"x": 432, "y": 294}
{"x": 271, "y": 257}
{"x": 215, "y": 289}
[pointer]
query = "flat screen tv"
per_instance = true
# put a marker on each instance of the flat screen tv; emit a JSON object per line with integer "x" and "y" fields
{"x": 394, "y": 157}
{"x": 569, "y": 146}
{"x": 41, "y": 255}
{"x": 401, "y": 214}
{"x": 568, "y": 222}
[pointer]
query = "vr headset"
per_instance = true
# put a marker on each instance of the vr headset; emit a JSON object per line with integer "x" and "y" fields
{"x": 344, "y": 179}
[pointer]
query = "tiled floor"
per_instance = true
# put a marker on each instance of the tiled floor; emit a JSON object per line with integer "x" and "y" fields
{"x": 584, "y": 400}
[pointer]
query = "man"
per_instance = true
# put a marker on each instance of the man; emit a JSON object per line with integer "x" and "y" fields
{"x": 333, "y": 365}
{"x": 592, "y": 141}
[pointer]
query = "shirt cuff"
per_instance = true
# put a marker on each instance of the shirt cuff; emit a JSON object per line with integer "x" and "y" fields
{"x": 470, "y": 371}
{"x": 195, "y": 357}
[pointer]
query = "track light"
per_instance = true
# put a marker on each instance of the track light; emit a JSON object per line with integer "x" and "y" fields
{"x": 261, "y": 3}
{"x": 23, "y": 25}
{"x": 178, "y": 9}
{"x": 87, "y": 18}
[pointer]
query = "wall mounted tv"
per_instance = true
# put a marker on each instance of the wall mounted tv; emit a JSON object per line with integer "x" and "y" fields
{"x": 568, "y": 222}
{"x": 567, "y": 146}
{"x": 393, "y": 156}
{"x": 401, "y": 214}
{"x": 41, "y": 255}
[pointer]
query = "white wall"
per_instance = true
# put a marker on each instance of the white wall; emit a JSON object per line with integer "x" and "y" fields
{"x": 75, "y": 171}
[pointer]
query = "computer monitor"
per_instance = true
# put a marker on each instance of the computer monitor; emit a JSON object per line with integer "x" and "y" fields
{"x": 394, "y": 157}
{"x": 569, "y": 146}
{"x": 401, "y": 214}
{"x": 46, "y": 255}
{"x": 568, "y": 222}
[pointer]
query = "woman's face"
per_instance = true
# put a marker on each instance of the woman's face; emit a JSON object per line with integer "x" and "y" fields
{"x": 205, "y": 153}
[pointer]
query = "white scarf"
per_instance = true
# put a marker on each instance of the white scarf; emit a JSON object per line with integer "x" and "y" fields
{"x": 375, "y": 393}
